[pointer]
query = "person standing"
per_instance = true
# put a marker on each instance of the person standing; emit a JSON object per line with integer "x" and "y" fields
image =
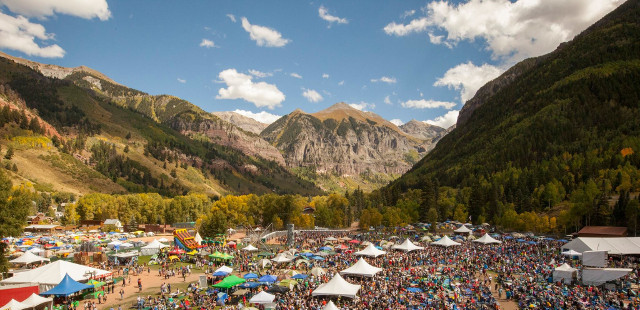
{"x": 139, "y": 285}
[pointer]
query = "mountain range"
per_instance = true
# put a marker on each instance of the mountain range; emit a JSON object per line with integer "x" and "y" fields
{"x": 166, "y": 144}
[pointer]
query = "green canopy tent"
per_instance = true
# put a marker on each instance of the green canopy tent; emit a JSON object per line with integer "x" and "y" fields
{"x": 229, "y": 282}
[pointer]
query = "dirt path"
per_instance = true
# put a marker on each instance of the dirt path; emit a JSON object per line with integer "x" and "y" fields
{"x": 150, "y": 286}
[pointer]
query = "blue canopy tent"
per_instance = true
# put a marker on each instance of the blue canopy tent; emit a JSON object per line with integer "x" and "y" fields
{"x": 67, "y": 287}
{"x": 268, "y": 278}
{"x": 220, "y": 274}
{"x": 250, "y": 284}
{"x": 250, "y": 276}
{"x": 299, "y": 276}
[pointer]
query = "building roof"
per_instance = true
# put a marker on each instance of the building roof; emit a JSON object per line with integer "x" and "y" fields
{"x": 603, "y": 231}
{"x": 112, "y": 222}
{"x": 35, "y": 226}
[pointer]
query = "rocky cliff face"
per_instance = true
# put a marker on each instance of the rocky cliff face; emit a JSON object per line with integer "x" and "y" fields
{"x": 342, "y": 140}
{"x": 246, "y": 123}
{"x": 430, "y": 134}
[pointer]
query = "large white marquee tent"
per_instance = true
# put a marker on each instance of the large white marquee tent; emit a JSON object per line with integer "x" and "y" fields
{"x": 486, "y": 239}
{"x": 407, "y": 246}
{"x": 445, "y": 242}
{"x": 613, "y": 246}
{"x": 361, "y": 268}
{"x": 337, "y": 287}
{"x": 370, "y": 251}
{"x": 50, "y": 275}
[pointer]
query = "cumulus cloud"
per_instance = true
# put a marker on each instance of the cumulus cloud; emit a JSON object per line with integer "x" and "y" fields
{"x": 183, "y": 81}
{"x": 207, "y": 43}
{"x": 468, "y": 78}
{"x": 408, "y": 13}
{"x": 512, "y": 30}
{"x": 341, "y": 83}
{"x": 396, "y": 121}
{"x": 87, "y": 9}
{"x": 312, "y": 95}
{"x": 427, "y": 104}
{"x": 295, "y": 75}
{"x": 385, "y": 79}
{"x": 362, "y": 106}
{"x": 325, "y": 76}
{"x": 264, "y": 36}
{"x": 260, "y": 74}
{"x": 262, "y": 116}
{"x": 18, "y": 33}
{"x": 241, "y": 86}
{"x": 445, "y": 121}
{"x": 324, "y": 14}
{"x": 232, "y": 17}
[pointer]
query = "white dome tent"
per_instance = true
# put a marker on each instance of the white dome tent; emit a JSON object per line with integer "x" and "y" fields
{"x": 361, "y": 268}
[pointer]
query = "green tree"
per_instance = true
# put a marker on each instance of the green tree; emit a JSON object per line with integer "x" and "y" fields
{"x": 9, "y": 153}
{"x": 14, "y": 208}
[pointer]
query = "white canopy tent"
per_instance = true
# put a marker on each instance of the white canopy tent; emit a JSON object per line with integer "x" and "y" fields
{"x": 337, "y": 287}
{"x": 153, "y": 247}
{"x": 361, "y": 268}
{"x": 370, "y": 251}
{"x": 282, "y": 258}
{"x": 36, "y": 300}
{"x": 28, "y": 258}
{"x": 486, "y": 239}
{"x": 445, "y": 242}
{"x": 50, "y": 275}
{"x": 614, "y": 246}
{"x": 571, "y": 253}
{"x": 14, "y": 305}
{"x": 262, "y": 298}
{"x": 598, "y": 276}
{"x": 407, "y": 246}
{"x": 225, "y": 269}
{"x": 330, "y": 306}
{"x": 249, "y": 248}
{"x": 463, "y": 230}
{"x": 564, "y": 273}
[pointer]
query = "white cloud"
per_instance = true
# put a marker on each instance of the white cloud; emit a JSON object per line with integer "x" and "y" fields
{"x": 232, "y": 17}
{"x": 207, "y": 43}
{"x": 408, "y": 13}
{"x": 262, "y": 116}
{"x": 19, "y": 34}
{"x": 260, "y": 74}
{"x": 240, "y": 86}
{"x": 427, "y": 104}
{"x": 362, "y": 106}
{"x": 468, "y": 78}
{"x": 324, "y": 14}
{"x": 385, "y": 79}
{"x": 295, "y": 75}
{"x": 87, "y": 9}
{"x": 387, "y": 100}
{"x": 183, "y": 81}
{"x": 513, "y": 30}
{"x": 396, "y": 121}
{"x": 416, "y": 25}
{"x": 325, "y": 76}
{"x": 264, "y": 36}
{"x": 312, "y": 95}
{"x": 445, "y": 121}
{"x": 341, "y": 83}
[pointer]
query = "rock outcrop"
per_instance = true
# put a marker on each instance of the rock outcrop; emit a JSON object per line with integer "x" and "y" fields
{"x": 245, "y": 123}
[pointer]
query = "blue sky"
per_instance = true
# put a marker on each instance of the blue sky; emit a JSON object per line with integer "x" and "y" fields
{"x": 400, "y": 59}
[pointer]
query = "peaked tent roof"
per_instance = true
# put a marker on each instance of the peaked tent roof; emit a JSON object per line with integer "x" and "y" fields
{"x": 486, "y": 239}
{"x": 463, "y": 229}
{"x": 407, "y": 246}
{"x": 370, "y": 251}
{"x": 67, "y": 287}
{"x": 28, "y": 258}
{"x": 571, "y": 253}
{"x": 361, "y": 268}
{"x": 445, "y": 242}
{"x": 262, "y": 298}
{"x": 225, "y": 269}
{"x": 52, "y": 274}
{"x": 35, "y": 300}
{"x": 565, "y": 267}
{"x": 155, "y": 244}
{"x": 250, "y": 248}
{"x": 330, "y": 306}
{"x": 229, "y": 281}
{"x": 614, "y": 246}
{"x": 198, "y": 238}
{"x": 337, "y": 287}
{"x": 14, "y": 305}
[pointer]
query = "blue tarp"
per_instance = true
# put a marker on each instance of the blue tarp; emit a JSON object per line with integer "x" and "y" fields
{"x": 67, "y": 287}
{"x": 299, "y": 276}
{"x": 414, "y": 290}
{"x": 220, "y": 274}
{"x": 249, "y": 284}
{"x": 250, "y": 276}
{"x": 268, "y": 278}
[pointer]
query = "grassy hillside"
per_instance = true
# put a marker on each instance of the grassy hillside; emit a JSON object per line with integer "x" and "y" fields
{"x": 567, "y": 122}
